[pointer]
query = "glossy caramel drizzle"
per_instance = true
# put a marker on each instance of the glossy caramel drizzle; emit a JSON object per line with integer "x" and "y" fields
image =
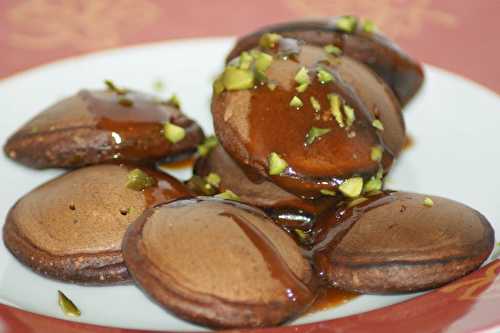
{"x": 295, "y": 289}
{"x": 330, "y": 229}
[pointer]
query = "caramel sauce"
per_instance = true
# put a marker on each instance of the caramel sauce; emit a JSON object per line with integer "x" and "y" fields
{"x": 295, "y": 289}
{"x": 135, "y": 126}
{"x": 409, "y": 142}
{"x": 330, "y": 229}
{"x": 275, "y": 126}
{"x": 166, "y": 188}
{"x": 329, "y": 298}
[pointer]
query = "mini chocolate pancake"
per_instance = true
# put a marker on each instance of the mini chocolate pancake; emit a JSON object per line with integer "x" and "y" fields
{"x": 356, "y": 40}
{"x": 253, "y": 189}
{"x": 305, "y": 119}
{"x": 218, "y": 263}
{"x": 99, "y": 126}
{"x": 71, "y": 228}
{"x": 396, "y": 242}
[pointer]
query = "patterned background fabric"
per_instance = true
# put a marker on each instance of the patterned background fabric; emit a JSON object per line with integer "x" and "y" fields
{"x": 458, "y": 35}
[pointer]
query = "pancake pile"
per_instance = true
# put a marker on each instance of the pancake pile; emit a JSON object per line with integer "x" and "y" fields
{"x": 286, "y": 201}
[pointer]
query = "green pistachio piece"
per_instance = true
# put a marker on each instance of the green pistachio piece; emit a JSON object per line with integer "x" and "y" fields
{"x": 237, "y": 78}
{"x": 378, "y": 125}
{"x": 296, "y": 102}
{"x": 218, "y": 86}
{"x": 324, "y": 76}
{"x": 335, "y": 109}
{"x": 346, "y": 23}
{"x": 376, "y": 153}
{"x": 200, "y": 186}
{"x": 158, "y": 86}
{"x": 369, "y": 26}
{"x": 332, "y": 49}
{"x": 208, "y": 144}
{"x": 380, "y": 173}
{"x": 428, "y": 202}
{"x": 325, "y": 191}
{"x": 352, "y": 187}
{"x": 356, "y": 202}
{"x": 269, "y": 40}
{"x": 126, "y": 102}
{"x": 173, "y": 133}
{"x": 374, "y": 184}
{"x": 263, "y": 61}
{"x": 245, "y": 60}
{"x": 302, "y": 76}
{"x": 350, "y": 115}
{"x": 315, "y": 104}
{"x": 67, "y": 306}
{"x": 276, "y": 164}
{"x": 213, "y": 179}
{"x": 315, "y": 133}
{"x": 271, "y": 85}
{"x": 138, "y": 180}
{"x": 303, "y": 87}
{"x": 111, "y": 86}
{"x": 228, "y": 195}
{"x": 174, "y": 101}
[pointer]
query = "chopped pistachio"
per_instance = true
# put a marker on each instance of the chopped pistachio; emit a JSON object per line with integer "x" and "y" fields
{"x": 350, "y": 115}
{"x": 315, "y": 104}
{"x": 228, "y": 195}
{"x": 271, "y": 85}
{"x": 332, "y": 49}
{"x": 269, "y": 40}
{"x": 352, "y": 187}
{"x": 111, "y": 86}
{"x": 356, "y": 202}
{"x": 173, "y": 133}
{"x": 378, "y": 125}
{"x": 138, "y": 180}
{"x": 428, "y": 202}
{"x": 34, "y": 129}
{"x": 237, "y": 78}
{"x": 208, "y": 144}
{"x": 126, "y": 102}
{"x": 302, "y": 76}
{"x": 263, "y": 61}
{"x": 346, "y": 23}
{"x": 213, "y": 179}
{"x": 374, "y": 184}
{"x": 324, "y": 76}
{"x": 276, "y": 164}
{"x": 335, "y": 109}
{"x": 200, "y": 186}
{"x": 296, "y": 102}
{"x": 245, "y": 60}
{"x": 301, "y": 234}
{"x": 369, "y": 26}
{"x": 218, "y": 85}
{"x": 301, "y": 88}
{"x": 376, "y": 153}
{"x": 315, "y": 133}
{"x": 67, "y": 306}
{"x": 325, "y": 191}
{"x": 158, "y": 86}
{"x": 174, "y": 100}
{"x": 260, "y": 77}
{"x": 380, "y": 173}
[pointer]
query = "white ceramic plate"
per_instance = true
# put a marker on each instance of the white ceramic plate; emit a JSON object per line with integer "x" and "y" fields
{"x": 454, "y": 123}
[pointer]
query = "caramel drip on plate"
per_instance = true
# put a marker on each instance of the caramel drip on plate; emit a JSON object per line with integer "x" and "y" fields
{"x": 295, "y": 289}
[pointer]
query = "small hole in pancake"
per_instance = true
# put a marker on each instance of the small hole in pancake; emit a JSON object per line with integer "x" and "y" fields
{"x": 72, "y": 206}
{"x": 124, "y": 212}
